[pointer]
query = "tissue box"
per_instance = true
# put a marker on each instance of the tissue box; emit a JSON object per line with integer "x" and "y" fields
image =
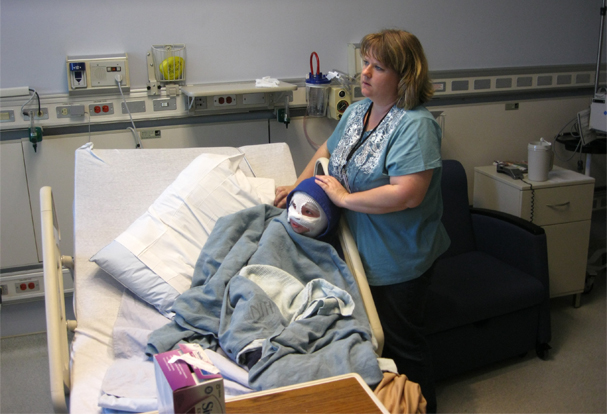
{"x": 185, "y": 387}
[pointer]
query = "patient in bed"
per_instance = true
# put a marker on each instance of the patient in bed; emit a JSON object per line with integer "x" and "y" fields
{"x": 311, "y": 212}
{"x": 284, "y": 306}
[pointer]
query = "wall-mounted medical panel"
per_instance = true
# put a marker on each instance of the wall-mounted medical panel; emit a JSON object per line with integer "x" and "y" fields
{"x": 235, "y": 97}
{"x": 98, "y": 74}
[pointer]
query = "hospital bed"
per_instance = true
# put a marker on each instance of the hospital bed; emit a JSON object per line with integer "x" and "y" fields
{"x": 113, "y": 188}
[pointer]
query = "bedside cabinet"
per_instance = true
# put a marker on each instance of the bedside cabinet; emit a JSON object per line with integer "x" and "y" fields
{"x": 562, "y": 205}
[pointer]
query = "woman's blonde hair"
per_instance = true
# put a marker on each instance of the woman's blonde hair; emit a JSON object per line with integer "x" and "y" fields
{"x": 402, "y": 52}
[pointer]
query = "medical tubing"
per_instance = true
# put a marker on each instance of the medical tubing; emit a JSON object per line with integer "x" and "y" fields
{"x": 598, "y": 58}
{"x": 29, "y": 100}
{"x": 89, "y": 122}
{"x": 579, "y": 146}
{"x": 314, "y": 145}
{"x": 317, "y": 63}
{"x": 134, "y": 128}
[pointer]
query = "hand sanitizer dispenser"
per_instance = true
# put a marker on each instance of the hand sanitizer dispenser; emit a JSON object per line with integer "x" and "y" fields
{"x": 77, "y": 75}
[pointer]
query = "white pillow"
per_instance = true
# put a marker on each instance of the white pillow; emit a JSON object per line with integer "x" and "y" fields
{"x": 156, "y": 255}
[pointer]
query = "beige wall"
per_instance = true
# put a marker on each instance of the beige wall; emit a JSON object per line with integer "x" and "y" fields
{"x": 475, "y": 134}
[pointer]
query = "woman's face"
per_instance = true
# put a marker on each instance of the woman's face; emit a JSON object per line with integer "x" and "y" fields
{"x": 378, "y": 82}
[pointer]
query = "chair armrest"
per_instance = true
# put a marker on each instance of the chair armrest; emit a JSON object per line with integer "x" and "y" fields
{"x": 521, "y": 244}
{"x": 513, "y": 240}
{"x": 517, "y": 221}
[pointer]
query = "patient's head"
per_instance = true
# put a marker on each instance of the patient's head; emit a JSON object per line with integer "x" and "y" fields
{"x": 310, "y": 211}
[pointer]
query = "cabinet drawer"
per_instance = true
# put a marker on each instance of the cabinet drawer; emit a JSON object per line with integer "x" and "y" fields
{"x": 559, "y": 204}
{"x": 567, "y": 256}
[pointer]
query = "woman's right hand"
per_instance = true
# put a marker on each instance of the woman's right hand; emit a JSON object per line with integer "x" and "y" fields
{"x": 282, "y": 192}
{"x": 280, "y": 199}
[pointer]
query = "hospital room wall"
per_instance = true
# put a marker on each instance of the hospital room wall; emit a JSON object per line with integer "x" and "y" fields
{"x": 474, "y": 134}
{"x": 242, "y": 40}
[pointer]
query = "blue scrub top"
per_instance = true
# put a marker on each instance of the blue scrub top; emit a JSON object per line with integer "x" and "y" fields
{"x": 399, "y": 246}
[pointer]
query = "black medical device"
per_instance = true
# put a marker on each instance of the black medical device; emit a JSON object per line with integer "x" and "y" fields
{"x": 513, "y": 172}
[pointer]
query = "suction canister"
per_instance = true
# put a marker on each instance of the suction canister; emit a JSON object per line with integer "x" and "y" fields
{"x": 317, "y": 90}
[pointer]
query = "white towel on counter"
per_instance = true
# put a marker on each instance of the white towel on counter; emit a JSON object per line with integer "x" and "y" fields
{"x": 267, "y": 82}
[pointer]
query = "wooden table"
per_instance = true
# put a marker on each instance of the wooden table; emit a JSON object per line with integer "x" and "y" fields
{"x": 342, "y": 394}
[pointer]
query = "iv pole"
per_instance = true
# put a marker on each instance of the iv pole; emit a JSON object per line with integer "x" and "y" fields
{"x": 598, "y": 58}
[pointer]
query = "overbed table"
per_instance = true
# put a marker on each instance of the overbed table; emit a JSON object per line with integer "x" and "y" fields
{"x": 342, "y": 394}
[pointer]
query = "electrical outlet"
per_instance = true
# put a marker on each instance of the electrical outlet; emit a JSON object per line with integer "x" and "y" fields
{"x": 106, "y": 108}
{"x": 43, "y": 114}
{"x": 27, "y": 286}
{"x": 200, "y": 102}
{"x": 68, "y": 111}
{"x": 224, "y": 100}
{"x": 22, "y": 287}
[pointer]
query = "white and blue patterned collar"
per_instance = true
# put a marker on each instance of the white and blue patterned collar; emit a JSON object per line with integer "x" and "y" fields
{"x": 366, "y": 158}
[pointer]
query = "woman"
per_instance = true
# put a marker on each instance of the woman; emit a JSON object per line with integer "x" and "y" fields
{"x": 385, "y": 171}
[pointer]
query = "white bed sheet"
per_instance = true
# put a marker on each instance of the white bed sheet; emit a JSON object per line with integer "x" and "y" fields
{"x": 112, "y": 189}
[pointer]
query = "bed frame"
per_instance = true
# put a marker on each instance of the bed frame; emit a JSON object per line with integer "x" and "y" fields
{"x": 61, "y": 357}
{"x": 57, "y": 325}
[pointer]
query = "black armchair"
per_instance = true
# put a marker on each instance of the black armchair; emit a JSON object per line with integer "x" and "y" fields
{"x": 489, "y": 297}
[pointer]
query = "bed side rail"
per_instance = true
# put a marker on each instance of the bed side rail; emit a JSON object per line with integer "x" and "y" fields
{"x": 355, "y": 265}
{"x": 56, "y": 322}
{"x": 352, "y": 258}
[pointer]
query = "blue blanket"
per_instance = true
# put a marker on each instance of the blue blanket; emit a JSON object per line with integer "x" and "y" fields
{"x": 261, "y": 289}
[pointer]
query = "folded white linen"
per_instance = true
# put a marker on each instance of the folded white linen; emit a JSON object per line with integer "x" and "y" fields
{"x": 267, "y": 82}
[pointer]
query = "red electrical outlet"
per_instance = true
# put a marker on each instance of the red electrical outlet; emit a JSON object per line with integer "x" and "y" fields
{"x": 224, "y": 100}
{"x": 104, "y": 108}
{"x": 27, "y": 286}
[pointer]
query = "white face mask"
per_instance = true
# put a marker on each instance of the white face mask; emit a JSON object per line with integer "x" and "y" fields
{"x": 306, "y": 216}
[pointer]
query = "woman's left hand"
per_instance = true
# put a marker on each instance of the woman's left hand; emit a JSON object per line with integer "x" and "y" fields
{"x": 336, "y": 192}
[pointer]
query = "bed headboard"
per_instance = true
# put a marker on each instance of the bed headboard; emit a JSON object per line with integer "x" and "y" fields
{"x": 115, "y": 186}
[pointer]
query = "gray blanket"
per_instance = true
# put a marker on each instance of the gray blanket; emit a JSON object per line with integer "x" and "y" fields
{"x": 232, "y": 308}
